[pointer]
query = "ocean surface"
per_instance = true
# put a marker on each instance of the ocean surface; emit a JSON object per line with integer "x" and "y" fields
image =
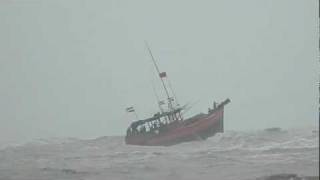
{"x": 232, "y": 155}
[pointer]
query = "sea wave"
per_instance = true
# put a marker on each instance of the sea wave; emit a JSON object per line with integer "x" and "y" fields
{"x": 228, "y": 155}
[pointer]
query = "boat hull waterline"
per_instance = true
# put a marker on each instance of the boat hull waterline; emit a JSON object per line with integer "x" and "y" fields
{"x": 199, "y": 127}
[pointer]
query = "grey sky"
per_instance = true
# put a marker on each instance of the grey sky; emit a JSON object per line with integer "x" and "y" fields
{"x": 70, "y": 68}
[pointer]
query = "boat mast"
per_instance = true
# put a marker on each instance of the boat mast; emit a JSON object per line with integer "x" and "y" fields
{"x": 157, "y": 68}
{"x": 157, "y": 97}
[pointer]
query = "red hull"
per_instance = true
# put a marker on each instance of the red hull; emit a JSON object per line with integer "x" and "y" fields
{"x": 195, "y": 128}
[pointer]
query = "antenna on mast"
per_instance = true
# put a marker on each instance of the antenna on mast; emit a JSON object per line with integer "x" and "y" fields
{"x": 174, "y": 95}
{"x": 159, "y": 103}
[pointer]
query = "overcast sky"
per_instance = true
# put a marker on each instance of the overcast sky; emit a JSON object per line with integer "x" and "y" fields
{"x": 70, "y": 68}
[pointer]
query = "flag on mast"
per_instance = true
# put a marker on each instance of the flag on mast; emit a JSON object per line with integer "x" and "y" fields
{"x": 163, "y": 75}
{"x": 130, "y": 109}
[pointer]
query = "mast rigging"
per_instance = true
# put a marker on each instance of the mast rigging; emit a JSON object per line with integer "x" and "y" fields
{"x": 160, "y": 75}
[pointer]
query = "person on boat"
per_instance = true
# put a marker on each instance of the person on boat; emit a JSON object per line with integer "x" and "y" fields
{"x": 129, "y": 131}
{"x": 151, "y": 126}
{"x": 156, "y": 114}
{"x": 143, "y": 129}
{"x": 163, "y": 126}
{"x": 214, "y": 105}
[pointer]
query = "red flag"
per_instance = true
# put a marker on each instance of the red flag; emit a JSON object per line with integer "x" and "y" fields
{"x": 163, "y": 74}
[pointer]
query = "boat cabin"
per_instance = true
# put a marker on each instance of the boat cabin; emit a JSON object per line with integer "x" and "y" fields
{"x": 159, "y": 122}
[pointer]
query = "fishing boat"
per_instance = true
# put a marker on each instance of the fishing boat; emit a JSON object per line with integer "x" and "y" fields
{"x": 168, "y": 127}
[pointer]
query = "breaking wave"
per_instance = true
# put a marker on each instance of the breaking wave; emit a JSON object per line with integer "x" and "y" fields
{"x": 229, "y": 155}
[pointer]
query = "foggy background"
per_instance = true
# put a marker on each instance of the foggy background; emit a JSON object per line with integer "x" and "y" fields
{"x": 70, "y": 68}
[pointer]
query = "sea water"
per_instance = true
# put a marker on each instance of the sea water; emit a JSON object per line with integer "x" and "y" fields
{"x": 232, "y": 155}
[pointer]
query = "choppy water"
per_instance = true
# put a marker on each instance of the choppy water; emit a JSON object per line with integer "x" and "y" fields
{"x": 231, "y": 155}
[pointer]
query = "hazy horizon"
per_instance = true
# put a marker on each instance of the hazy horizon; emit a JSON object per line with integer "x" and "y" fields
{"x": 70, "y": 68}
